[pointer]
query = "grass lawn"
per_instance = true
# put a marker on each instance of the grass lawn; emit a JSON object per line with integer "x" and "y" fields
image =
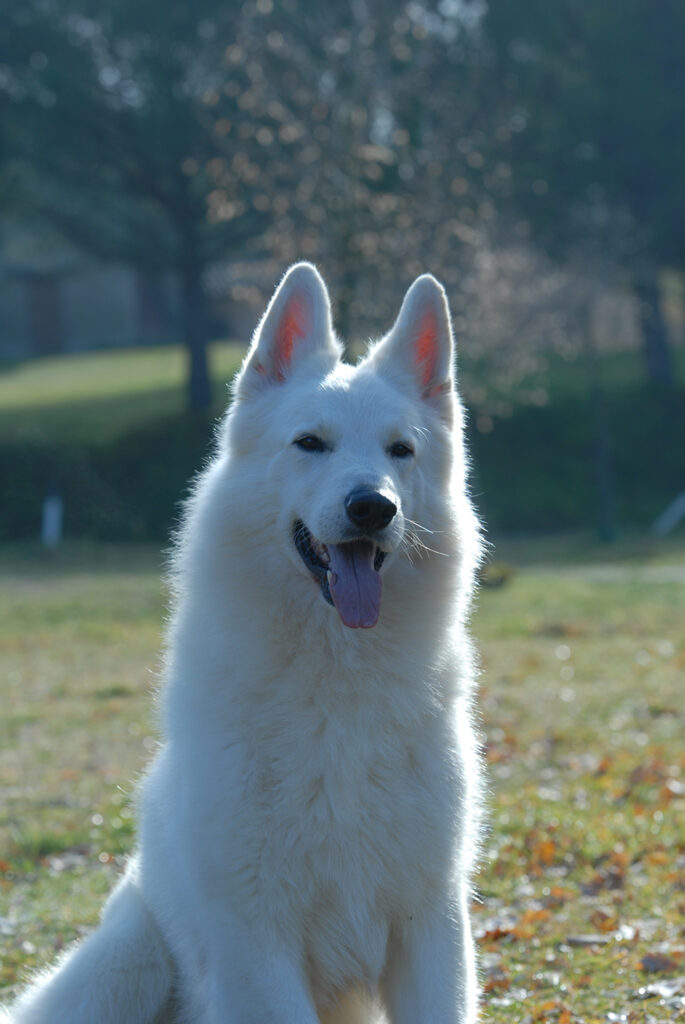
{"x": 110, "y": 429}
{"x": 582, "y": 884}
{"x": 97, "y": 396}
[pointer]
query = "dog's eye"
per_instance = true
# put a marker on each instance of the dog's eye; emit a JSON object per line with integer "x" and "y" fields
{"x": 310, "y": 443}
{"x": 400, "y": 450}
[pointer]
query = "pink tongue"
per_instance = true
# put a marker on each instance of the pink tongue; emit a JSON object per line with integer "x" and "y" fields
{"x": 355, "y": 585}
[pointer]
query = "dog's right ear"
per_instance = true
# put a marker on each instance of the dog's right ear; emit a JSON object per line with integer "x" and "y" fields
{"x": 295, "y": 328}
{"x": 419, "y": 350}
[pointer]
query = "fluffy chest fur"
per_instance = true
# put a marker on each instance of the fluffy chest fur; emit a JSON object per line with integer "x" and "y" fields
{"x": 334, "y": 825}
{"x": 326, "y": 814}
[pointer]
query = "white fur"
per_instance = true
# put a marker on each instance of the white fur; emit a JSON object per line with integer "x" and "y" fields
{"x": 308, "y": 830}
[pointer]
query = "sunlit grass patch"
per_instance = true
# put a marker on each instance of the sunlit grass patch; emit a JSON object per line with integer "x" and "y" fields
{"x": 96, "y": 396}
{"x": 79, "y": 642}
{"x": 583, "y": 878}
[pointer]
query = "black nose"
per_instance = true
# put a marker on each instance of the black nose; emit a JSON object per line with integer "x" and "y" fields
{"x": 369, "y": 510}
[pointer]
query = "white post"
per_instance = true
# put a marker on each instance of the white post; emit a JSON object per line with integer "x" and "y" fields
{"x": 52, "y": 519}
{"x": 670, "y": 517}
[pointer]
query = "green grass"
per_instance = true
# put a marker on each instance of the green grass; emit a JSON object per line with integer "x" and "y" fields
{"x": 566, "y": 378}
{"x": 583, "y": 872}
{"x": 79, "y": 636}
{"x": 111, "y": 430}
{"x": 101, "y": 395}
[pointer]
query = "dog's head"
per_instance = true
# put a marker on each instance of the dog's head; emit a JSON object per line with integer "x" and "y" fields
{"x": 353, "y": 463}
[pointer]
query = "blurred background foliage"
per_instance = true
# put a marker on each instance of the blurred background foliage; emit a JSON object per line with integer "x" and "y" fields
{"x": 531, "y": 155}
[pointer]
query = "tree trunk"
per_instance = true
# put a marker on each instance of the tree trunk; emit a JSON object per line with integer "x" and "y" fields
{"x": 604, "y": 469}
{"x": 654, "y": 330}
{"x": 602, "y": 456}
{"x": 195, "y": 329}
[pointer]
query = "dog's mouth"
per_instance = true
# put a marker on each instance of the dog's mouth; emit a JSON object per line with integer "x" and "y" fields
{"x": 348, "y": 574}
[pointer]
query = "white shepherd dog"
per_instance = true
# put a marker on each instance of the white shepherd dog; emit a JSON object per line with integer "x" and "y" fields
{"x": 308, "y": 829}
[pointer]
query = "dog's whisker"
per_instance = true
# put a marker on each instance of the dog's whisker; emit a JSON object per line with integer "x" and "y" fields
{"x": 418, "y": 526}
{"x": 414, "y": 542}
{"x": 424, "y": 529}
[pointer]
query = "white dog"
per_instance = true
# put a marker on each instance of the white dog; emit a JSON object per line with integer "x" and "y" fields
{"x": 307, "y": 831}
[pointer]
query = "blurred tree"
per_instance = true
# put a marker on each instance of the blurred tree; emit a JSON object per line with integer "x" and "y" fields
{"x": 178, "y": 136}
{"x": 379, "y": 117}
{"x": 112, "y": 140}
{"x": 596, "y": 101}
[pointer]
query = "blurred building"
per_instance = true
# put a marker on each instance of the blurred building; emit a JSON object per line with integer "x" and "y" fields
{"x": 55, "y": 298}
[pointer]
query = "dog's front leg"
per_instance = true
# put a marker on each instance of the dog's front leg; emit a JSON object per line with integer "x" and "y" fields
{"x": 253, "y": 980}
{"x": 430, "y": 977}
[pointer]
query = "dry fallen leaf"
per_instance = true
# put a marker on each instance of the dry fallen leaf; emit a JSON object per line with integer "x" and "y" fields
{"x": 652, "y": 962}
{"x": 604, "y": 921}
{"x": 497, "y": 980}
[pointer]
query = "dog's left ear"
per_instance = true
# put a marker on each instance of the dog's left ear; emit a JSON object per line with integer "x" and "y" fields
{"x": 296, "y": 327}
{"x": 419, "y": 348}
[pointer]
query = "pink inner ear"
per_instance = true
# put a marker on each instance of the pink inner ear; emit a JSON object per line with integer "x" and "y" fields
{"x": 291, "y": 329}
{"x": 426, "y": 349}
